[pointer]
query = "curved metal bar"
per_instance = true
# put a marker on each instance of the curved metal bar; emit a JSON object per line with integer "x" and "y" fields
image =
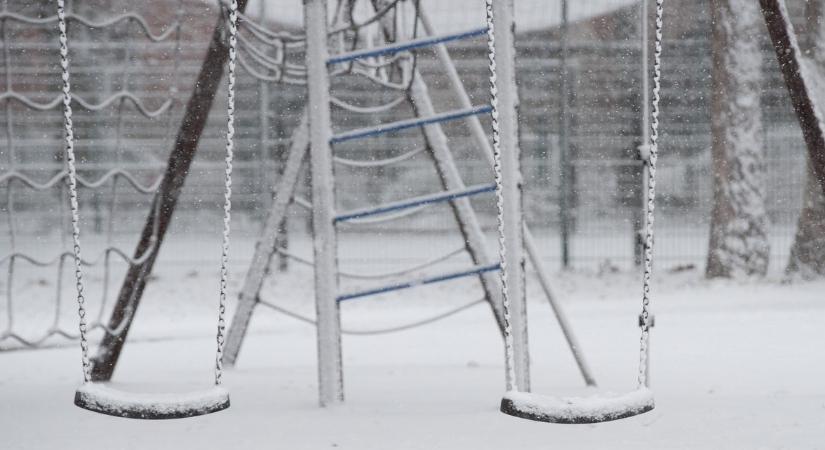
{"x": 367, "y": 109}
{"x": 372, "y": 19}
{"x": 376, "y": 331}
{"x": 357, "y": 70}
{"x": 126, "y": 95}
{"x": 57, "y": 101}
{"x": 299, "y": 73}
{"x": 56, "y": 331}
{"x": 269, "y": 62}
{"x": 131, "y": 16}
{"x": 383, "y": 275}
{"x": 378, "y": 162}
{"x": 81, "y": 181}
{"x": 267, "y": 36}
{"x": 277, "y": 78}
{"x": 301, "y": 39}
{"x": 86, "y": 262}
{"x": 285, "y": 36}
{"x": 260, "y": 56}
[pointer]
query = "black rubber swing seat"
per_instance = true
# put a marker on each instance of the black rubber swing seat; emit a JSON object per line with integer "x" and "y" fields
{"x": 100, "y": 398}
{"x": 572, "y": 410}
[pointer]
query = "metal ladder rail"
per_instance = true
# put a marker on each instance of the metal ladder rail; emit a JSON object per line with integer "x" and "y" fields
{"x": 475, "y": 270}
{"x": 413, "y": 44}
{"x": 439, "y": 197}
{"x": 418, "y": 122}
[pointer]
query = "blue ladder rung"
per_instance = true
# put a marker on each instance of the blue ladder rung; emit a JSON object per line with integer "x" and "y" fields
{"x": 415, "y": 201}
{"x": 476, "y": 270}
{"x": 409, "y": 123}
{"x": 404, "y": 46}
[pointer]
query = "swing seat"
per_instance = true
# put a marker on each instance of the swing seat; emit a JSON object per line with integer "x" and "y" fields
{"x": 571, "y": 410}
{"x": 100, "y": 398}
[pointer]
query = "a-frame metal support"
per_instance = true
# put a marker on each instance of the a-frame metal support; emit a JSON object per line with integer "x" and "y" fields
{"x": 469, "y": 226}
{"x": 265, "y": 248}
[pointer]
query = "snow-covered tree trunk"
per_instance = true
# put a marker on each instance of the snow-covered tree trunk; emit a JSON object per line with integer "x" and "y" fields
{"x": 738, "y": 242}
{"x": 807, "y": 258}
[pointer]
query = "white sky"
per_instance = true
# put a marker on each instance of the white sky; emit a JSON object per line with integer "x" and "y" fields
{"x": 456, "y": 15}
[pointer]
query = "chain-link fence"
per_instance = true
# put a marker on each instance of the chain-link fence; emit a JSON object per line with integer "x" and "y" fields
{"x": 603, "y": 130}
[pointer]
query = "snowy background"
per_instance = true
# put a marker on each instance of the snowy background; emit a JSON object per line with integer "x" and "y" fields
{"x": 735, "y": 364}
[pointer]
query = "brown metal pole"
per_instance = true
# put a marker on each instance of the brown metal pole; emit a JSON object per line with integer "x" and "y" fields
{"x": 177, "y": 168}
{"x": 788, "y": 54}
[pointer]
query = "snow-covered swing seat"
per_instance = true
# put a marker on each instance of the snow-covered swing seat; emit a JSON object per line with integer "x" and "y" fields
{"x": 101, "y": 397}
{"x": 545, "y": 408}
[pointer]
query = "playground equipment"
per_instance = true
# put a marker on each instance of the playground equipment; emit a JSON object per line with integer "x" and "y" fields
{"x": 99, "y": 397}
{"x": 314, "y": 135}
{"x": 371, "y": 62}
{"x": 518, "y": 401}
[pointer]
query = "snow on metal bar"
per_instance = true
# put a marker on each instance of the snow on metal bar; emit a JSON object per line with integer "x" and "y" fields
{"x": 416, "y": 201}
{"x": 409, "y": 123}
{"x": 86, "y": 104}
{"x": 476, "y": 270}
{"x": 90, "y": 23}
{"x": 407, "y": 45}
{"x": 60, "y": 177}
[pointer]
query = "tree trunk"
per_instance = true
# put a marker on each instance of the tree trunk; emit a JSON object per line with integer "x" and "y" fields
{"x": 738, "y": 241}
{"x": 807, "y": 258}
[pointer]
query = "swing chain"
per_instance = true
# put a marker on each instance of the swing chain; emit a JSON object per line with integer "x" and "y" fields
{"x": 73, "y": 192}
{"x": 227, "y": 205}
{"x": 645, "y": 317}
{"x": 509, "y": 359}
{"x": 70, "y": 162}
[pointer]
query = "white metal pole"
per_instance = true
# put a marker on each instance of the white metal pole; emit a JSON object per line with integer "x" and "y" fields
{"x": 482, "y": 143}
{"x": 330, "y": 372}
{"x": 267, "y": 243}
{"x": 511, "y": 187}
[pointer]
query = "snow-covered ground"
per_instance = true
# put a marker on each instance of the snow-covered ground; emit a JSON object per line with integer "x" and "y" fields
{"x": 735, "y": 366}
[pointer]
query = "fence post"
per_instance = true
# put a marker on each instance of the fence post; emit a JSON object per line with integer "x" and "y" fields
{"x": 564, "y": 145}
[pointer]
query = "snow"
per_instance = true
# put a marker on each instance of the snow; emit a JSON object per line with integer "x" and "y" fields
{"x": 103, "y": 398}
{"x": 594, "y": 408}
{"x": 734, "y": 366}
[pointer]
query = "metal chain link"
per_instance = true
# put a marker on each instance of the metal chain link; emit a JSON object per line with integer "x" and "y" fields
{"x": 651, "y": 197}
{"x": 227, "y": 205}
{"x": 509, "y": 357}
{"x": 75, "y": 210}
{"x": 70, "y": 161}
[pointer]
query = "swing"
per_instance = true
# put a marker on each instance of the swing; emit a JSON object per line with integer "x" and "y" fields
{"x": 100, "y": 397}
{"x": 600, "y": 407}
